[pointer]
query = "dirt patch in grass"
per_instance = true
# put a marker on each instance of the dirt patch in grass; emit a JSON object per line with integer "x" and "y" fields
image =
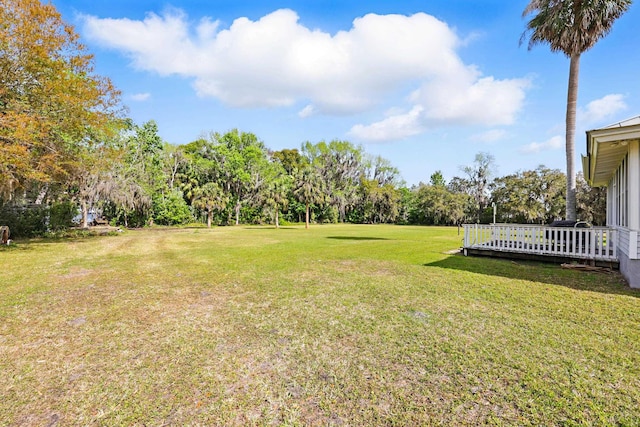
{"x": 75, "y": 274}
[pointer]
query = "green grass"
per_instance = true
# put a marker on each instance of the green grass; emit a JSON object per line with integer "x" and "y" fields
{"x": 336, "y": 325}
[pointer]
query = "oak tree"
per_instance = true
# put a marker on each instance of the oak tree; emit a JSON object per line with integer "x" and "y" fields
{"x": 51, "y": 101}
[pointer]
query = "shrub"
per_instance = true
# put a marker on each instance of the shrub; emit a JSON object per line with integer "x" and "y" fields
{"x": 171, "y": 209}
{"x": 61, "y": 215}
{"x": 25, "y": 221}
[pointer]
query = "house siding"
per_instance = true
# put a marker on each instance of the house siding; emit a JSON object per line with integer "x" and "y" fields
{"x": 623, "y": 240}
{"x": 621, "y": 215}
{"x": 630, "y": 270}
{"x": 613, "y": 155}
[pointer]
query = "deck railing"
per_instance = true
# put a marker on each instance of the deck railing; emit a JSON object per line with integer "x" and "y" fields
{"x": 596, "y": 243}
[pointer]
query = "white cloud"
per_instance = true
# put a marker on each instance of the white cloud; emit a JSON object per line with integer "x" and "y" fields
{"x": 467, "y": 99}
{"x": 275, "y": 61}
{"x": 393, "y": 127}
{"x": 604, "y": 108}
{"x": 489, "y": 136}
{"x": 453, "y": 100}
{"x": 140, "y": 97}
{"x": 307, "y": 111}
{"x": 553, "y": 143}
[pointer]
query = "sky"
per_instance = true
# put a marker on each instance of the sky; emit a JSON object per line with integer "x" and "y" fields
{"x": 425, "y": 84}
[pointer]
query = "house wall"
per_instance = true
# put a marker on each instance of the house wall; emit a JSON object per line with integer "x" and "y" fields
{"x": 633, "y": 186}
{"x": 628, "y": 255}
{"x": 630, "y": 269}
{"x": 623, "y": 240}
{"x": 623, "y": 213}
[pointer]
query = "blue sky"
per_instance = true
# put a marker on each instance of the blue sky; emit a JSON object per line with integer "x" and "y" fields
{"x": 425, "y": 84}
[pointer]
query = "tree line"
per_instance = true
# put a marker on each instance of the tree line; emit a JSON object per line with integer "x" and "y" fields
{"x": 67, "y": 145}
{"x": 136, "y": 179}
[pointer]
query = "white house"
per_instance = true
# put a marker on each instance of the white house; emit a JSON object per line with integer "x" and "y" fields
{"x": 613, "y": 161}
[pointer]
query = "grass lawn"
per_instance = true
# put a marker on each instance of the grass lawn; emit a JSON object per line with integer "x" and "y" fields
{"x": 335, "y": 325}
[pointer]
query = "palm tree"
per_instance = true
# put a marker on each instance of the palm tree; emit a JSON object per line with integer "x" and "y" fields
{"x": 275, "y": 196}
{"x": 309, "y": 189}
{"x": 571, "y": 27}
{"x": 211, "y": 198}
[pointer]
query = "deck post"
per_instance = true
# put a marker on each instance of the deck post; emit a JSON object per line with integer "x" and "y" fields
{"x": 477, "y": 234}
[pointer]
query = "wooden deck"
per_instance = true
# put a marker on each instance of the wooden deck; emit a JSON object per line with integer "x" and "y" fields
{"x": 597, "y": 244}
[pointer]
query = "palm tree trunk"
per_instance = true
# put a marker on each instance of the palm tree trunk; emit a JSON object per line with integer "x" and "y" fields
{"x": 238, "y": 213}
{"x": 277, "y": 222}
{"x": 572, "y": 101}
{"x": 306, "y": 218}
{"x": 209, "y": 218}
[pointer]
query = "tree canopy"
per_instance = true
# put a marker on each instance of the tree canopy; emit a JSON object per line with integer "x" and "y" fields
{"x": 52, "y": 104}
{"x": 571, "y": 27}
{"x": 64, "y": 142}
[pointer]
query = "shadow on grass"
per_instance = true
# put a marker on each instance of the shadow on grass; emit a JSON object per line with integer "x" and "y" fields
{"x": 15, "y": 246}
{"x": 270, "y": 227}
{"x": 552, "y": 274}
{"x": 32, "y": 244}
{"x": 356, "y": 238}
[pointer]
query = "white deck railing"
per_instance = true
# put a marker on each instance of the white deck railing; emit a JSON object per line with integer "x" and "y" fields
{"x": 596, "y": 243}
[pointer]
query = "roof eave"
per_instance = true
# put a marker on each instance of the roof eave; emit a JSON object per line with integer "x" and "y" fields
{"x": 613, "y": 142}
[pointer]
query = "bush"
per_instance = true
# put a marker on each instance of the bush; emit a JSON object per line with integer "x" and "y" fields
{"x": 252, "y": 215}
{"x": 25, "y": 221}
{"x": 61, "y": 216}
{"x": 326, "y": 215}
{"x": 171, "y": 209}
